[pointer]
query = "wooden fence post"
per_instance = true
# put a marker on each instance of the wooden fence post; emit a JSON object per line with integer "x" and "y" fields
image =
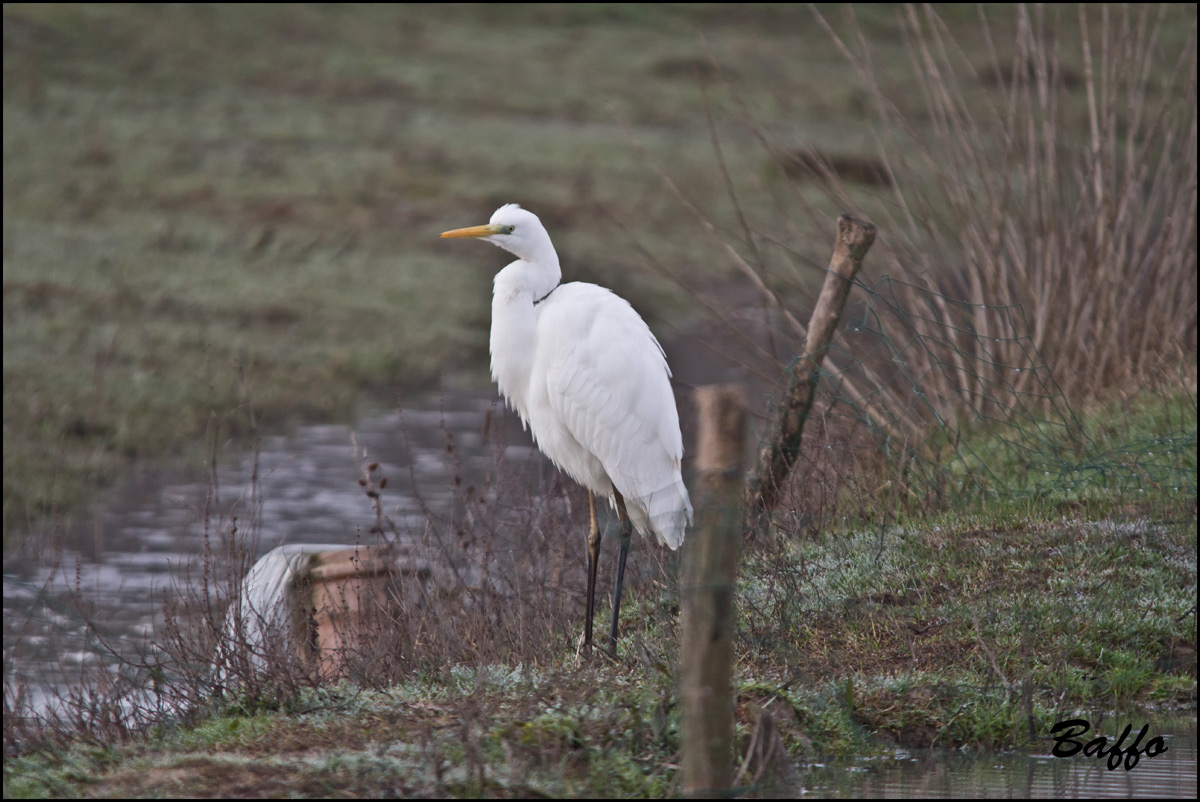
{"x": 706, "y": 593}
{"x": 775, "y": 461}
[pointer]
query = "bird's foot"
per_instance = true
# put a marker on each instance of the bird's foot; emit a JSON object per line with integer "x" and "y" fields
{"x": 583, "y": 650}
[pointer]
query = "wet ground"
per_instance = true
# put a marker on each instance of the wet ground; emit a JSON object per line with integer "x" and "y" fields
{"x": 303, "y": 488}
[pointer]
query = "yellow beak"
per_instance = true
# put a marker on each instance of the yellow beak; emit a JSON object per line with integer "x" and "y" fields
{"x": 473, "y": 231}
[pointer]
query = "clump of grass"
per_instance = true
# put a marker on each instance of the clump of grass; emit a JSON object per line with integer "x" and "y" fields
{"x": 1037, "y": 618}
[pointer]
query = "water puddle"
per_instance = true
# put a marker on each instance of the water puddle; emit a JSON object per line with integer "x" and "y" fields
{"x": 149, "y": 537}
{"x": 932, "y": 775}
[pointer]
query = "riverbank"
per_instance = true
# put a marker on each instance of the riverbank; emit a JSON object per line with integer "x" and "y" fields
{"x": 977, "y": 635}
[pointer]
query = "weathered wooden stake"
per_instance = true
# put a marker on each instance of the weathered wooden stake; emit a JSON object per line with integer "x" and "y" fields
{"x": 706, "y": 593}
{"x": 775, "y": 461}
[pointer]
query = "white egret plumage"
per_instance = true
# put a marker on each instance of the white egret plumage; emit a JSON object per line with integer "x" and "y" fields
{"x": 591, "y": 383}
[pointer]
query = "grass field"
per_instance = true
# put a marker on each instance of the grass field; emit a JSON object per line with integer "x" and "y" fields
{"x": 204, "y": 205}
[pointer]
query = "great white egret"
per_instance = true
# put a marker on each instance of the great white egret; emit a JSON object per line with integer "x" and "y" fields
{"x": 591, "y": 383}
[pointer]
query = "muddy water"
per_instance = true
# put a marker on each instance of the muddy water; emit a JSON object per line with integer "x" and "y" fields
{"x": 302, "y": 488}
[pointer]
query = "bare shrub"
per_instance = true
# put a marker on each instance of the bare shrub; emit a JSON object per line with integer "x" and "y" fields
{"x": 1087, "y": 226}
{"x": 1036, "y": 206}
{"x": 1011, "y": 203}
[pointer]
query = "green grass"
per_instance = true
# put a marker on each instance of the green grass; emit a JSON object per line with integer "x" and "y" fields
{"x": 1113, "y": 457}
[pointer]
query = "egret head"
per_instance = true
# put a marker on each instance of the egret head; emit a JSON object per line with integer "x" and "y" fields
{"x": 513, "y": 229}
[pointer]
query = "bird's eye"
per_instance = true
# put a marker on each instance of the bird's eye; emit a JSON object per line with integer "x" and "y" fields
{"x": 507, "y": 229}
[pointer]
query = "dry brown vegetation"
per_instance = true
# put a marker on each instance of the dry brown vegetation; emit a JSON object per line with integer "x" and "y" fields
{"x": 1038, "y": 226}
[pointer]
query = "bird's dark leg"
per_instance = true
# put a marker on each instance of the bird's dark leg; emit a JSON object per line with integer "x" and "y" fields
{"x": 626, "y": 534}
{"x": 593, "y": 564}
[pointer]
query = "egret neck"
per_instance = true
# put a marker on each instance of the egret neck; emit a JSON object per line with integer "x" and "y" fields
{"x": 514, "y": 317}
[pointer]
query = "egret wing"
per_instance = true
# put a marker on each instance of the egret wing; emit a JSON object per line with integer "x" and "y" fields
{"x": 608, "y": 385}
